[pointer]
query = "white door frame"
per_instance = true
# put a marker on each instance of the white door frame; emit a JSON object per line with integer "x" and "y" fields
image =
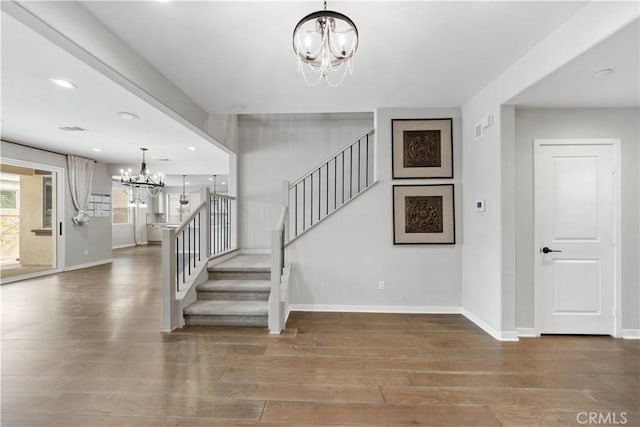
{"x": 60, "y": 204}
{"x": 617, "y": 227}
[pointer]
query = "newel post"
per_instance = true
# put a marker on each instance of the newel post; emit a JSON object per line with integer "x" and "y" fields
{"x": 169, "y": 305}
{"x": 276, "y": 272}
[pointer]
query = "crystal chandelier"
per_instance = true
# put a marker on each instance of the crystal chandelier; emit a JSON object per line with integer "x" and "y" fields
{"x": 324, "y": 42}
{"x": 153, "y": 184}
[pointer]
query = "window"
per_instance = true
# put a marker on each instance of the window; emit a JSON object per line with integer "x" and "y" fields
{"x": 8, "y": 199}
{"x": 47, "y": 201}
{"x": 119, "y": 208}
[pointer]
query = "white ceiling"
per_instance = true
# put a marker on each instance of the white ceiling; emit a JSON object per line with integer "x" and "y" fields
{"x": 411, "y": 54}
{"x": 221, "y": 54}
{"x": 573, "y": 85}
{"x": 33, "y": 109}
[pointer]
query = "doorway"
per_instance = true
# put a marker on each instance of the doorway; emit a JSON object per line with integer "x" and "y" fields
{"x": 30, "y": 219}
{"x": 576, "y": 221}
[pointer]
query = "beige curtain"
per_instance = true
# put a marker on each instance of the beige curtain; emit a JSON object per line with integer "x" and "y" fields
{"x": 80, "y": 181}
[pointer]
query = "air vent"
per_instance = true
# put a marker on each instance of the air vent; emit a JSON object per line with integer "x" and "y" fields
{"x": 73, "y": 129}
{"x": 163, "y": 160}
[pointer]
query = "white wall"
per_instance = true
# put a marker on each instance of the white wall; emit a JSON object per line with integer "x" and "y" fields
{"x": 488, "y": 269}
{"x": 623, "y": 123}
{"x": 274, "y": 148}
{"x": 341, "y": 261}
{"x": 94, "y": 237}
{"x": 122, "y": 236}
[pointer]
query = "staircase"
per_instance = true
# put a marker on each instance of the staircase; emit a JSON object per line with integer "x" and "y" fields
{"x": 236, "y": 294}
{"x": 253, "y": 290}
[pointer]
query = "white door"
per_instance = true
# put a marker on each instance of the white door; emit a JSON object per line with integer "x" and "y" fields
{"x": 574, "y": 197}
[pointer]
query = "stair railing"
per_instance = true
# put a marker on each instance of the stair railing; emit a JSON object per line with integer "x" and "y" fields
{"x": 186, "y": 249}
{"x": 330, "y": 185}
{"x": 308, "y": 201}
{"x": 222, "y": 209}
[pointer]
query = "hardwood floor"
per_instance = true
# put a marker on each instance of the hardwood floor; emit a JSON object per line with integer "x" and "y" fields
{"x": 82, "y": 348}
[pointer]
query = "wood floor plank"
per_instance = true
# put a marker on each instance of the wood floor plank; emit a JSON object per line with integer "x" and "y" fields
{"x": 82, "y": 348}
{"x": 132, "y": 405}
{"x": 283, "y": 391}
{"x": 377, "y": 415}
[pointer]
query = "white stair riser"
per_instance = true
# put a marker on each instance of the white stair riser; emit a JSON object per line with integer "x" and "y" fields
{"x": 228, "y": 320}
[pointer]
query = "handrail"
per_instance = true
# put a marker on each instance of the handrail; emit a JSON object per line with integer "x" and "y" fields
{"x": 223, "y": 196}
{"x": 330, "y": 185}
{"x": 305, "y": 175}
{"x": 186, "y": 222}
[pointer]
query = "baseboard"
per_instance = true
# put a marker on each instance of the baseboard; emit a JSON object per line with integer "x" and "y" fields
{"x": 89, "y": 264}
{"x": 254, "y": 251}
{"x": 408, "y": 309}
{"x": 527, "y": 332}
{"x": 631, "y": 334}
{"x": 499, "y": 335}
{"x": 128, "y": 245}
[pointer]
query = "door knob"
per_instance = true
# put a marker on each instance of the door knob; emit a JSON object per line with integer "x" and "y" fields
{"x": 546, "y": 250}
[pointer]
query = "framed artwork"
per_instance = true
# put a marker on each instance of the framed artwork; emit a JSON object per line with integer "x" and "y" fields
{"x": 422, "y": 148}
{"x": 423, "y": 214}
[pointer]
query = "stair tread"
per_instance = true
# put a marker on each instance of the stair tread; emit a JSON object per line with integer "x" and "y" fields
{"x": 227, "y": 308}
{"x": 235, "y": 286}
{"x": 259, "y": 263}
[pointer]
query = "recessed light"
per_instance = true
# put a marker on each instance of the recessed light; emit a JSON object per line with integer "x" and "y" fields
{"x": 186, "y": 183}
{"x": 210, "y": 179}
{"x": 223, "y": 183}
{"x": 62, "y": 83}
{"x": 128, "y": 116}
{"x": 191, "y": 148}
{"x": 97, "y": 150}
{"x": 602, "y": 73}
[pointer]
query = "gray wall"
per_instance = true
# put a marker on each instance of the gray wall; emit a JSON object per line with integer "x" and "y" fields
{"x": 343, "y": 259}
{"x": 340, "y": 262}
{"x": 275, "y": 148}
{"x": 94, "y": 237}
{"x": 620, "y": 123}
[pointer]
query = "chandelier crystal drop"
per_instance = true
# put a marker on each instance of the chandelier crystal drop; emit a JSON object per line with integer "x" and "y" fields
{"x": 144, "y": 180}
{"x": 324, "y": 42}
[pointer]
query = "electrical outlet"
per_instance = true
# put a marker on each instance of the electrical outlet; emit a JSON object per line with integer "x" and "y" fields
{"x": 381, "y": 284}
{"x": 86, "y": 251}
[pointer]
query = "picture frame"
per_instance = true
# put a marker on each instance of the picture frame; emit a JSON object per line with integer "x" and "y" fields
{"x": 424, "y": 214}
{"x": 422, "y": 148}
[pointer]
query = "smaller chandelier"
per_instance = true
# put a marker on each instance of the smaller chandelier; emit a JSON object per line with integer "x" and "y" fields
{"x": 184, "y": 197}
{"x": 325, "y": 41}
{"x": 153, "y": 184}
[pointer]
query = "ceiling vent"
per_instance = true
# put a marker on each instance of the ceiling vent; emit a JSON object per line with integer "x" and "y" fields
{"x": 163, "y": 160}
{"x": 73, "y": 129}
